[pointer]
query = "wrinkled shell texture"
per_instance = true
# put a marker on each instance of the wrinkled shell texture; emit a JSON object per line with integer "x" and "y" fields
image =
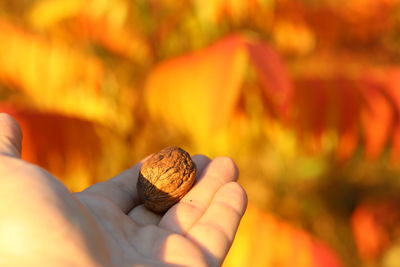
{"x": 165, "y": 178}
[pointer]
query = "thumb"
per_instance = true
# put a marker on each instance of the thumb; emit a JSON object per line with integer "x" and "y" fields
{"x": 10, "y": 136}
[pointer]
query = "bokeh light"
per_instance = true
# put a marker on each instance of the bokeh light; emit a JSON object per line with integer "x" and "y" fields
{"x": 304, "y": 95}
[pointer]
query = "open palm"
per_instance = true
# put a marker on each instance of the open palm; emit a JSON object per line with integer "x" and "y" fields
{"x": 105, "y": 225}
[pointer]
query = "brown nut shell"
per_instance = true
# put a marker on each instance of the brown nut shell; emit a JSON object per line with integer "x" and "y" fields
{"x": 165, "y": 178}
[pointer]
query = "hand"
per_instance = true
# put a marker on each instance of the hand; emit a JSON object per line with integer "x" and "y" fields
{"x": 43, "y": 224}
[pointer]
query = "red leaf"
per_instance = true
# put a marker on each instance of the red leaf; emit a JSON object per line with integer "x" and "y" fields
{"x": 273, "y": 76}
{"x": 352, "y": 108}
{"x": 55, "y": 142}
{"x": 323, "y": 255}
{"x": 349, "y": 103}
{"x": 393, "y": 91}
{"x": 322, "y": 105}
{"x": 311, "y": 109}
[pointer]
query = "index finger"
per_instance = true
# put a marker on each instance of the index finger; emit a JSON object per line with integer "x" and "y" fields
{"x": 10, "y": 136}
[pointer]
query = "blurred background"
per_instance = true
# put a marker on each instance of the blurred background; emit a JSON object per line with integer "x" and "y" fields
{"x": 304, "y": 95}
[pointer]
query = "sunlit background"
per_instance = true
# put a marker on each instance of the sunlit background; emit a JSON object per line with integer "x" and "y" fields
{"x": 304, "y": 95}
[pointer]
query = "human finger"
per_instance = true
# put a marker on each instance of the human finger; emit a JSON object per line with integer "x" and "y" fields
{"x": 191, "y": 207}
{"x": 215, "y": 230}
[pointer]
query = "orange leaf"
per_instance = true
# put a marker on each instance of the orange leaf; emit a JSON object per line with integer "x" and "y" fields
{"x": 347, "y": 144}
{"x": 63, "y": 145}
{"x": 324, "y": 256}
{"x": 374, "y": 227}
{"x": 45, "y": 70}
{"x": 198, "y": 92}
{"x": 263, "y": 240}
{"x": 97, "y": 20}
{"x": 377, "y": 119}
{"x": 45, "y": 13}
{"x": 393, "y": 91}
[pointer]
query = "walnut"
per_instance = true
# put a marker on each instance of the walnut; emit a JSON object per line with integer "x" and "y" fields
{"x": 165, "y": 178}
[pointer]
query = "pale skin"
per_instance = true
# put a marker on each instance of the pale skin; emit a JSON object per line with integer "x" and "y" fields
{"x": 43, "y": 224}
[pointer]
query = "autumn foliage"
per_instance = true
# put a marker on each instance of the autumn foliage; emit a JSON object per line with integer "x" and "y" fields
{"x": 304, "y": 95}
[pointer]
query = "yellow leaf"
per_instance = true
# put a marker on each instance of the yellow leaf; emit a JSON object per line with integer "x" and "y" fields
{"x": 293, "y": 38}
{"x": 46, "y": 13}
{"x": 54, "y": 77}
{"x": 197, "y": 93}
{"x": 209, "y": 12}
